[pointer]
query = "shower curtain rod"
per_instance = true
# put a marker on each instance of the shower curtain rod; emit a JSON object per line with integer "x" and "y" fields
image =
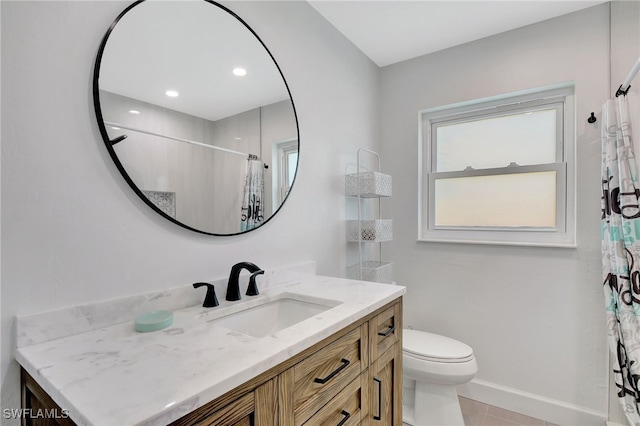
{"x": 624, "y": 87}
{"x": 249, "y": 156}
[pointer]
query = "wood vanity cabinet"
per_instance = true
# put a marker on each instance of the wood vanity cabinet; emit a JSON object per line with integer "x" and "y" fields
{"x": 351, "y": 378}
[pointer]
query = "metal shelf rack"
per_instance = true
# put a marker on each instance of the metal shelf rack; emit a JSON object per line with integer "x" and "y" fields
{"x": 369, "y": 185}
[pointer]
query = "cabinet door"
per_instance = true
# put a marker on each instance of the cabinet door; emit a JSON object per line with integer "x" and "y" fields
{"x": 386, "y": 389}
{"x": 239, "y": 412}
{"x": 43, "y": 411}
{"x": 257, "y": 408}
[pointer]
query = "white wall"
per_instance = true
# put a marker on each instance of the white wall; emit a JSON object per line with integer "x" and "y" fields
{"x": 534, "y": 316}
{"x": 74, "y": 232}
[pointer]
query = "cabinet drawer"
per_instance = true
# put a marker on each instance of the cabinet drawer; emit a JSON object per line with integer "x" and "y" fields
{"x": 385, "y": 330}
{"x": 310, "y": 384}
{"x": 348, "y": 408}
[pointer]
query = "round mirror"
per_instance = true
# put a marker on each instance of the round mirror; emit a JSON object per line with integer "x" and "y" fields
{"x": 196, "y": 115}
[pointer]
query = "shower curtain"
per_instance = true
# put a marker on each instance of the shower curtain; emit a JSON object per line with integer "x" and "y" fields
{"x": 620, "y": 221}
{"x": 251, "y": 212}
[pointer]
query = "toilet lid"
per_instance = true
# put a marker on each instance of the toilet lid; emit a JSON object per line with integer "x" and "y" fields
{"x": 431, "y": 346}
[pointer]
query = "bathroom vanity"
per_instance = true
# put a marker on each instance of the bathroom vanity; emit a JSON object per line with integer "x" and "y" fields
{"x": 342, "y": 366}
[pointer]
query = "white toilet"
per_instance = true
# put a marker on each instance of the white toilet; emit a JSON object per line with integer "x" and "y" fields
{"x": 432, "y": 367}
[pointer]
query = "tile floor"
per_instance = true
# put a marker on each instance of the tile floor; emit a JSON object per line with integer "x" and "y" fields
{"x": 478, "y": 414}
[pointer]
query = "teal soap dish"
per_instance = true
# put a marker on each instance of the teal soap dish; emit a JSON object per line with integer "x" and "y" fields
{"x": 154, "y": 321}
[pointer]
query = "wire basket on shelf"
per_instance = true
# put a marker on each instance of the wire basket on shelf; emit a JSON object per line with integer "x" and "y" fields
{"x": 379, "y": 272}
{"x": 373, "y": 231}
{"x": 368, "y": 184}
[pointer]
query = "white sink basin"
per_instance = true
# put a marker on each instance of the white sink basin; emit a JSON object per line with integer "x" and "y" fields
{"x": 273, "y": 316}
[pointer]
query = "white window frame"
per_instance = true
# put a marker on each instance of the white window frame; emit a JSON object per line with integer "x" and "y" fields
{"x": 281, "y": 149}
{"x": 560, "y": 97}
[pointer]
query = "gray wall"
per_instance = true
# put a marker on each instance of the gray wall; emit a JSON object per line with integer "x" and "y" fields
{"x": 534, "y": 316}
{"x": 74, "y": 232}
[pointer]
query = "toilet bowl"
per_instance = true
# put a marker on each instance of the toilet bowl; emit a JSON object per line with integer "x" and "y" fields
{"x": 433, "y": 366}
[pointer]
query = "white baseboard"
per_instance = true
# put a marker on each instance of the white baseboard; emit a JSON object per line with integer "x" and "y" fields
{"x": 613, "y": 424}
{"x": 533, "y": 405}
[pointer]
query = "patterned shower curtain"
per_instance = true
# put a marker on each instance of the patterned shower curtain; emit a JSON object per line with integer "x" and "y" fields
{"x": 621, "y": 252}
{"x": 251, "y": 211}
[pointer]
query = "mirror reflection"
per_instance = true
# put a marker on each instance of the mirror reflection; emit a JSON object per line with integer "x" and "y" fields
{"x": 197, "y": 115}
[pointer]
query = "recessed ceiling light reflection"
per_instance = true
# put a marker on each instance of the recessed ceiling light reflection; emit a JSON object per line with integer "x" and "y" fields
{"x": 133, "y": 111}
{"x": 240, "y": 72}
{"x": 172, "y": 93}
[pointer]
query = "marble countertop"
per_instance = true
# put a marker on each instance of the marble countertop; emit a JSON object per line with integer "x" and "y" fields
{"x": 116, "y": 376}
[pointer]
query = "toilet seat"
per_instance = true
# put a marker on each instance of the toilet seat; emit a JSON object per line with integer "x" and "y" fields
{"x": 426, "y": 346}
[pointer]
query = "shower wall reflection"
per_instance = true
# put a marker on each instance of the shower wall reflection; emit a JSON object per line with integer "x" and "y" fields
{"x": 207, "y": 183}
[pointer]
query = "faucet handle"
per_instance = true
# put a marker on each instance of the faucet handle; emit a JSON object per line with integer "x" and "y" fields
{"x": 210, "y": 300}
{"x": 252, "y": 290}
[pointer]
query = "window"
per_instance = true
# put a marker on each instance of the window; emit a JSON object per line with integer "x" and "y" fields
{"x": 286, "y": 164}
{"x": 500, "y": 170}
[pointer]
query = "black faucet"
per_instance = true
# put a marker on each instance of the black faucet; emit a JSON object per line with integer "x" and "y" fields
{"x": 252, "y": 290}
{"x": 233, "y": 288}
{"x": 210, "y": 300}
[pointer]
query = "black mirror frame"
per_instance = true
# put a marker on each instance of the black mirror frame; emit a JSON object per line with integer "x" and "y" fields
{"x": 109, "y": 143}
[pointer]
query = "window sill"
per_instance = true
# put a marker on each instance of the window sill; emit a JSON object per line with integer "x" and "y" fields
{"x": 555, "y": 240}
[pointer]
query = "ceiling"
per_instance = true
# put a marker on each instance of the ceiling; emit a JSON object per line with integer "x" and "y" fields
{"x": 390, "y": 31}
{"x": 160, "y": 45}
